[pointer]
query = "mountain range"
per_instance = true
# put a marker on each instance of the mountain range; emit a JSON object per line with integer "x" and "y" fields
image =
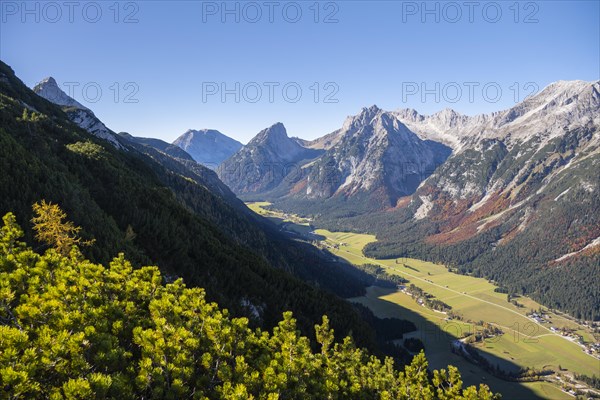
{"x": 512, "y": 195}
{"x": 153, "y": 202}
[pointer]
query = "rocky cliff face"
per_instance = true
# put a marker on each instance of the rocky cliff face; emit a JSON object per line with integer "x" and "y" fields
{"x": 265, "y": 162}
{"x": 374, "y": 153}
{"x": 48, "y": 89}
{"x": 80, "y": 115}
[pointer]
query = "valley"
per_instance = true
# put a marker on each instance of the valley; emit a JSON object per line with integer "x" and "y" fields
{"x": 532, "y": 335}
{"x": 511, "y": 196}
{"x": 312, "y": 200}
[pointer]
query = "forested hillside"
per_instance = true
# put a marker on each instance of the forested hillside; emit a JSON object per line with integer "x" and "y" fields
{"x": 130, "y": 203}
{"x": 73, "y": 329}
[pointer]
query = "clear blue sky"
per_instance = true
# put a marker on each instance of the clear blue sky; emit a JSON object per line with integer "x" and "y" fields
{"x": 378, "y": 52}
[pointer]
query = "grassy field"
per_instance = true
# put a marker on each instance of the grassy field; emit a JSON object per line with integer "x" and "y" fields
{"x": 287, "y": 222}
{"x": 525, "y": 342}
{"x": 259, "y": 208}
{"x": 437, "y": 336}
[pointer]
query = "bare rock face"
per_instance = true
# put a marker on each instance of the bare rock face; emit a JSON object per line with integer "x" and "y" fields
{"x": 209, "y": 147}
{"x": 375, "y": 154}
{"x": 561, "y": 106}
{"x": 48, "y": 89}
{"x": 80, "y": 115}
{"x": 265, "y": 161}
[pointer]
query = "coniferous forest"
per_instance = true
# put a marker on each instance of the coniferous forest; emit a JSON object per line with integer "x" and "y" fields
{"x": 73, "y": 329}
{"x": 78, "y": 323}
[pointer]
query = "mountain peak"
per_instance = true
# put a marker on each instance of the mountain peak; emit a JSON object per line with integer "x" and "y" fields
{"x": 364, "y": 117}
{"x": 49, "y": 89}
{"x": 274, "y": 134}
{"x": 371, "y": 109}
{"x": 369, "y": 112}
{"x": 48, "y": 81}
{"x": 207, "y": 146}
{"x": 449, "y": 117}
{"x": 82, "y": 116}
{"x": 204, "y": 131}
{"x": 277, "y": 128}
{"x": 374, "y": 155}
{"x": 265, "y": 161}
{"x": 446, "y": 112}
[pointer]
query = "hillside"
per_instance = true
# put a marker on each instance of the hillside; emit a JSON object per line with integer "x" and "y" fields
{"x": 167, "y": 148}
{"x": 128, "y": 202}
{"x": 120, "y": 333}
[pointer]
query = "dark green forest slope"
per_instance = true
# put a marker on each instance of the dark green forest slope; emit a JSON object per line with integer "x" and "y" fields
{"x": 72, "y": 329}
{"x": 130, "y": 203}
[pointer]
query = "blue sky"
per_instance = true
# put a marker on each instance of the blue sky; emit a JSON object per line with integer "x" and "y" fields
{"x": 162, "y": 66}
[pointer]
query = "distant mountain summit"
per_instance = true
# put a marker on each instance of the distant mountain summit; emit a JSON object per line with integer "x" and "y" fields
{"x": 265, "y": 161}
{"x": 208, "y": 146}
{"x": 276, "y": 140}
{"x": 79, "y": 114}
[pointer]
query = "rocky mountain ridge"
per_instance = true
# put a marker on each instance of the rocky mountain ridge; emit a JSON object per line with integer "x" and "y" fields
{"x": 82, "y": 116}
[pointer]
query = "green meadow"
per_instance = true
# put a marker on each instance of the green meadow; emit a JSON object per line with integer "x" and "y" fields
{"x": 524, "y": 342}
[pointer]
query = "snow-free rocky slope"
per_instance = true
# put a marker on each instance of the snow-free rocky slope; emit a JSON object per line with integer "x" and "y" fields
{"x": 374, "y": 156}
{"x": 265, "y": 162}
{"x": 209, "y": 147}
{"x": 82, "y": 116}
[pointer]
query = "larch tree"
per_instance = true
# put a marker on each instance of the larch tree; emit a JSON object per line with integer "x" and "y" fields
{"x": 52, "y": 228}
